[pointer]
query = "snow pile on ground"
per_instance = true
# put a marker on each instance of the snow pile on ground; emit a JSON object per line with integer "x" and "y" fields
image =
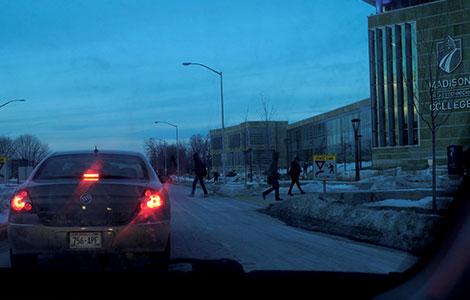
{"x": 317, "y": 186}
{"x": 351, "y": 166}
{"x": 254, "y": 188}
{"x": 399, "y": 181}
{"x": 424, "y": 203}
{"x": 405, "y": 230}
{"x": 236, "y": 189}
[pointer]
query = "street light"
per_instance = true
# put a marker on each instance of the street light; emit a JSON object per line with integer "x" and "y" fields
{"x": 177, "y": 146}
{"x": 16, "y": 100}
{"x": 359, "y": 139}
{"x": 222, "y": 104}
{"x": 355, "y": 124}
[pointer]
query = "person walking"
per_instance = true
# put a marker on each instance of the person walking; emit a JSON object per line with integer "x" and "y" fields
{"x": 216, "y": 176}
{"x": 273, "y": 177}
{"x": 200, "y": 170}
{"x": 294, "y": 172}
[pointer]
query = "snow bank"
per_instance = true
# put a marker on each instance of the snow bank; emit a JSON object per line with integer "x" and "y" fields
{"x": 424, "y": 203}
{"x": 398, "y": 179}
{"x": 405, "y": 230}
{"x": 317, "y": 186}
{"x": 235, "y": 189}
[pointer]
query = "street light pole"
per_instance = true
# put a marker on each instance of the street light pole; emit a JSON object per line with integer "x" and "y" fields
{"x": 355, "y": 124}
{"x": 222, "y": 104}
{"x": 359, "y": 138}
{"x": 16, "y": 100}
{"x": 177, "y": 146}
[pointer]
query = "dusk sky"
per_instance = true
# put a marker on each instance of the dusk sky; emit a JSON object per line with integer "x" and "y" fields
{"x": 101, "y": 72}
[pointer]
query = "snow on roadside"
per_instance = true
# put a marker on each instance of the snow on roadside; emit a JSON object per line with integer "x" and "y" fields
{"x": 405, "y": 230}
{"x": 424, "y": 203}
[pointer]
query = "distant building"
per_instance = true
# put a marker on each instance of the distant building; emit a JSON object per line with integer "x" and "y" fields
{"x": 327, "y": 133}
{"x": 331, "y": 133}
{"x": 418, "y": 53}
{"x": 249, "y": 142}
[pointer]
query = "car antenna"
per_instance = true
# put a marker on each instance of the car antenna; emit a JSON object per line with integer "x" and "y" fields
{"x": 96, "y": 149}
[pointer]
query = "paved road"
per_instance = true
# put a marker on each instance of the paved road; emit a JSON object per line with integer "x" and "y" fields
{"x": 221, "y": 227}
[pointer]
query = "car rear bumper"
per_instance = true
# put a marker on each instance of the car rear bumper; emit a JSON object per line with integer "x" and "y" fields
{"x": 134, "y": 237}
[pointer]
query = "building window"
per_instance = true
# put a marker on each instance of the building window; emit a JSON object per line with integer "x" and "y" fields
{"x": 257, "y": 136}
{"x": 234, "y": 141}
{"x": 393, "y": 69}
{"x": 216, "y": 143}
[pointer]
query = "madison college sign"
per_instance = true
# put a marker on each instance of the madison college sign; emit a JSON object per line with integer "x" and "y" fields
{"x": 449, "y": 54}
{"x": 447, "y": 94}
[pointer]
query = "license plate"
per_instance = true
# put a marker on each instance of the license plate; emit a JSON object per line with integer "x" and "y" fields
{"x": 85, "y": 240}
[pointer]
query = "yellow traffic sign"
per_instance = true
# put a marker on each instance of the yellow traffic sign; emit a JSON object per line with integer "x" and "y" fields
{"x": 324, "y": 157}
{"x": 3, "y": 159}
{"x": 324, "y": 167}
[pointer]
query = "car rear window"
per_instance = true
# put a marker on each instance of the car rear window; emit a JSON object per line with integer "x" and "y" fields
{"x": 108, "y": 166}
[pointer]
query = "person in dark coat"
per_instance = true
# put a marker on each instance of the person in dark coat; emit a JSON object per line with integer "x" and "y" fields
{"x": 216, "y": 176}
{"x": 273, "y": 177}
{"x": 295, "y": 170}
{"x": 200, "y": 170}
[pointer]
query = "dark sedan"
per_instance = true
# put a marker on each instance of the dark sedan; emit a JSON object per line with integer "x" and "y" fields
{"x": 90, "y": 201}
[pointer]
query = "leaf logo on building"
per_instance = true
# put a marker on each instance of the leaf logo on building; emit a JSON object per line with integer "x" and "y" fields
{"x": 449, "y": 54}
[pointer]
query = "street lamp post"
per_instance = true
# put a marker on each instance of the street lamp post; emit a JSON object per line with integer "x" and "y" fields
{"x": 359, "y": 139}
{"x": 16, "y": 100}
{"x": 222, "y": 104}
{"x": 355, "y": 124}
{"x": 177, "y": 146}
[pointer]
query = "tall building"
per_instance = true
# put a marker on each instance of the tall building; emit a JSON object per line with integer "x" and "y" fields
{"x": 249, "y": 144}
{"x": 419, "y": 63}
{"x": 331, "y": 133}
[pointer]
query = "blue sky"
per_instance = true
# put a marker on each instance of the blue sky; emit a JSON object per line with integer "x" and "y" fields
{"x": 101, "y": 72}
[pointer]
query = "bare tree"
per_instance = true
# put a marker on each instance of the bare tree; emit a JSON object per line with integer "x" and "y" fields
{"x": 267, "y": 111}
{"x": 427, "y": 107}
{"x": 245, "y": 113}
{"x": 266, "y": 114}
{"x": 7, "y": 146}
{"x": 151, "y": 150}
{"x": 29, "y": 148}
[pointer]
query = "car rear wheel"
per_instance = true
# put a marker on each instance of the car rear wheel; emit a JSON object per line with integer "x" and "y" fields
{"x": 23, "y": 261}
{"x": 161, "y": 259}
{"x": 154, "y": 260}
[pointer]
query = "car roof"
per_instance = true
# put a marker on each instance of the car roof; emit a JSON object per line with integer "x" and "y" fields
{"x": 100, "y": 152}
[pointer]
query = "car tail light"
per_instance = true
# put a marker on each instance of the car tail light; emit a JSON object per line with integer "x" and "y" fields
{"x": 91, "y": 177}
{"x": 151, "y": 200}
{"x": 21, "y": 202}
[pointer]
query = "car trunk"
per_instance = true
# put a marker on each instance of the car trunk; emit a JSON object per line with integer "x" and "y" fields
{"x": 103, "y": 203}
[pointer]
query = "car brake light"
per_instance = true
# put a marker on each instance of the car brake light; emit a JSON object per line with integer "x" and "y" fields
{"x": 151, "y": 200}
{"x": 21, "y": 202}
{"x": 91, "y": 177}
